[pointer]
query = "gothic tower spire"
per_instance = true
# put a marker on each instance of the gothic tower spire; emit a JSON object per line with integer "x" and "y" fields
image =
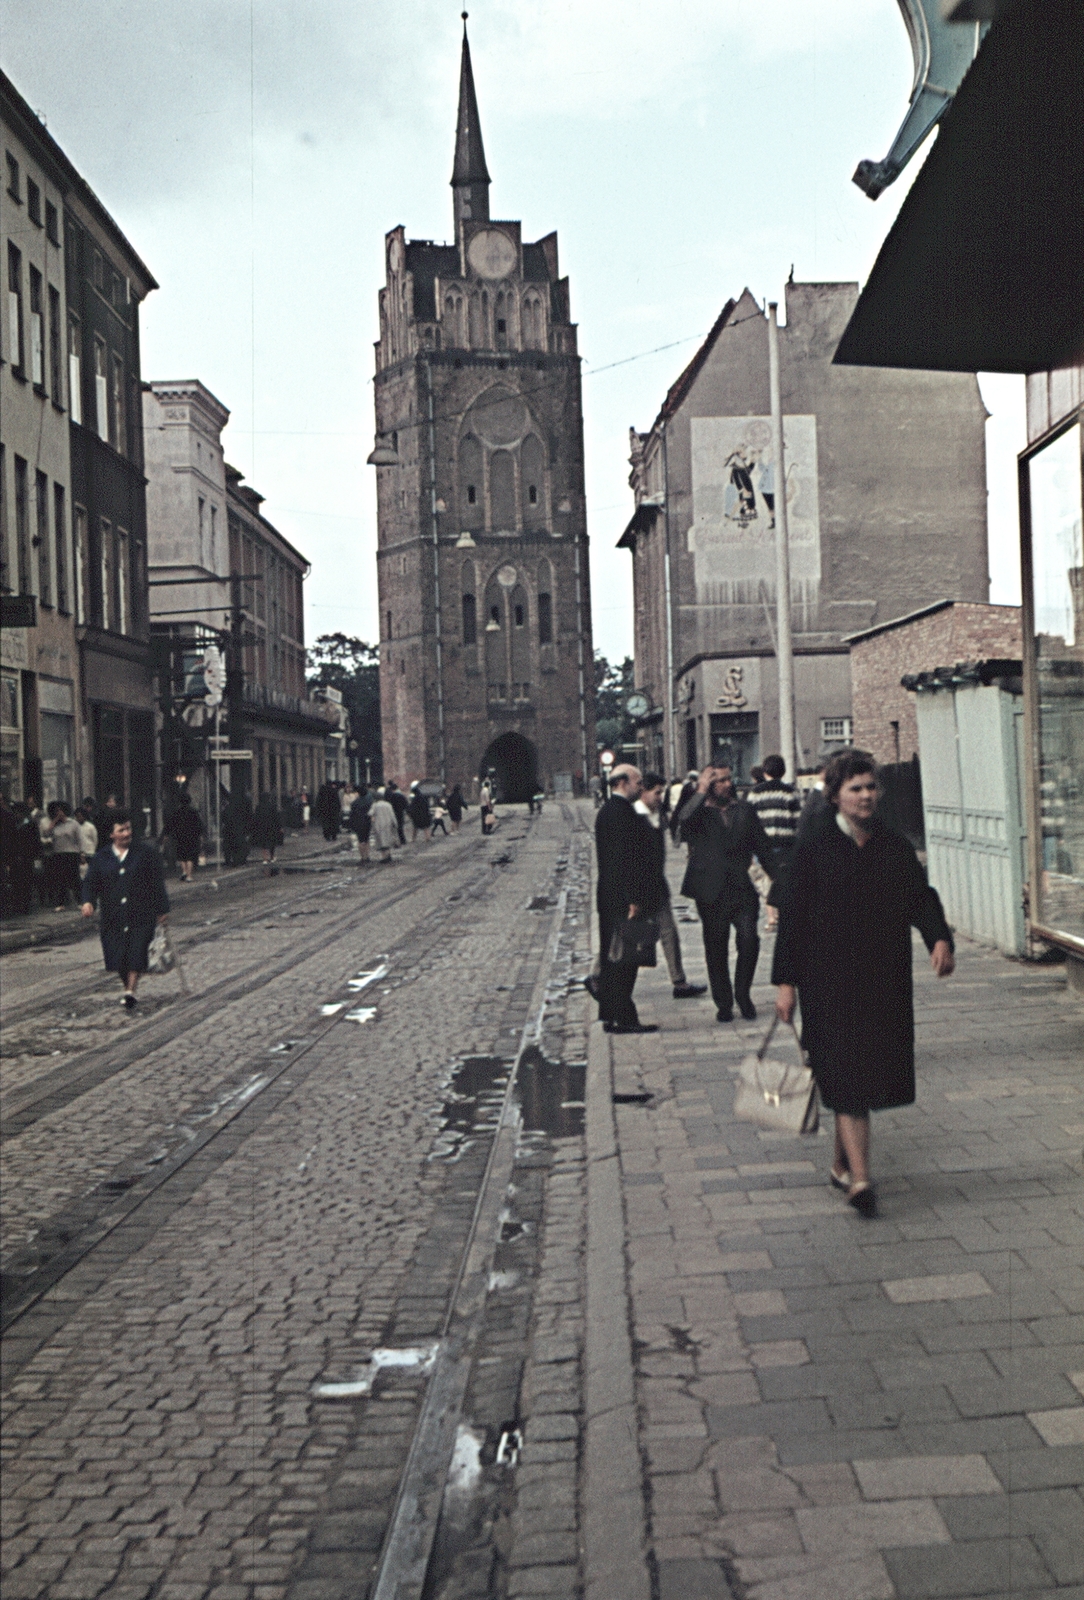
{"x": 470, "y": 175}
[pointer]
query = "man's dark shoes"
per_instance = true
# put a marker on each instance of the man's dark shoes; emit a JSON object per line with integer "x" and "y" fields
{"x": 632, "y": 1027}
{"x": 590, "y": 983}
{"x": 748, "y": 1010}
{"x": 689, "y": 991}
{"x": 724, "y": 1016}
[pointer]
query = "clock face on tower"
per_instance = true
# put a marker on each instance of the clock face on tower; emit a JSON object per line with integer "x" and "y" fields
{"x": 491, "y": 253}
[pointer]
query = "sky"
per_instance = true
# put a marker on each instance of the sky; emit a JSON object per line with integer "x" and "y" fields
{"x": 255, "y": 152}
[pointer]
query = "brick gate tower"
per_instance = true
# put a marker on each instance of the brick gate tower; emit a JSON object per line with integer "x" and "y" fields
{"x": 485, "y": 612}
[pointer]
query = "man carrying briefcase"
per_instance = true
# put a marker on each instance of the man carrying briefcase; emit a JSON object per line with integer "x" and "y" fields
{"x": 627, "y": 887}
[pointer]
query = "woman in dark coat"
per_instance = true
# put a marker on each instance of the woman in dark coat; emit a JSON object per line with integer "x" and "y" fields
{"x": 854, "y": 890}
{"x": 266, "y": 830}
{"x": 456, "y": 807}
{"x": 185, "y": 827}
{"x": 421, "y": 819}
{"x": 127, "y": 878}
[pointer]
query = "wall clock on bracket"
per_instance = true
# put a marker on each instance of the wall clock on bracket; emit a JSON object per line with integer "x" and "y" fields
{"x": 637, "y": 705}
{"x": 491, "y": 253}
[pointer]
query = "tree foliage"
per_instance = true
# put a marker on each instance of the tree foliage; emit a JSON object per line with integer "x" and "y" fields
{"x": 613, "y": 685}
{"x": 339, "y": 661}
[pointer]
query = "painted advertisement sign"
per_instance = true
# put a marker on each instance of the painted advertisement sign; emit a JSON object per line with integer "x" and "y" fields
{"x": 734, "y": 481}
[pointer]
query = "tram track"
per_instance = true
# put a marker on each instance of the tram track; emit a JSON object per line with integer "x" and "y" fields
{"x": 54, "y": 1089}
{"x": 204, "y": 1136}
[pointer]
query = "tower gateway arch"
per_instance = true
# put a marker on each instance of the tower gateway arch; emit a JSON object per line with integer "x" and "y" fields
{"x": 485, "y": 607}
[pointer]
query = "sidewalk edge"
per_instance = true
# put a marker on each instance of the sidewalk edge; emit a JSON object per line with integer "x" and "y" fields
{"x": 614, "y": 1531}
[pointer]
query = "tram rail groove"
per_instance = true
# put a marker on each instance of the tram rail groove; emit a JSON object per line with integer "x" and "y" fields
{"x": 67, "y": 1082}
{"x": 404, "y": 1559}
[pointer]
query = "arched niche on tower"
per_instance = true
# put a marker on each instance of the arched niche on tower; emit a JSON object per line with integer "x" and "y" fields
{"x": 546, "y": 606}
{"x": 532, "y": 478}
{"x": 519, "y": 619}
{"x": 502, "y": 492}
{"x": 472, "y": 502}
{"x": 533, "y": 321}
{"x": 495, "y": 635}
{"x": 454, "y": 329}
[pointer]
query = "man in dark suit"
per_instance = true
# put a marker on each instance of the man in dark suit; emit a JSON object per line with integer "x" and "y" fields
{"x": 724, "y": 834}
{"x": 627, "y": 887}
{"x": 126, "y": 876}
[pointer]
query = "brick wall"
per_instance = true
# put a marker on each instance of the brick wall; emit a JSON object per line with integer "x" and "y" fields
{"x": 961, "y": 631}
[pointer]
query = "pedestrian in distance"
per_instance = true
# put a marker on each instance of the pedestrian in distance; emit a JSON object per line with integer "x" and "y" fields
{"x": 724, "y": 834}
{"x": 456, "y": 807}
{"x": 384, "y": 828}
{"x": 399, "y": 804}
{"x": 778, "y": 805}
{"x": 360, "y": 824}
{"x": 440, "y": 814}
{"x": 853, "y": 892}
{"x": 486, "y": 807}
{"x": 328, "y": 810}
{"x": 684, "y": 795}
{"x": 267, "y": 831}
{"x": 63, "y": 864}
{"x": 185, "y": 828}
{"x": 628, "y": 886}
{"x": 814, "y": 805}
{"x": 21, "y": 854}
{"x": 649, "y": 806}
{"x": 88, "y": 833}
{"x": 126, "y": 877}
{"x": 421, "y": 819}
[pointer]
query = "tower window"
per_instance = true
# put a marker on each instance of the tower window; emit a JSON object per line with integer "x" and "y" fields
{"x": 519, "y": 616}
{"x": 470, "y": 620}
{"x": 545, "y": 619}
{"x": 532, "y": 494}
{"x": 495, "y": 615}
{"x": 388, "y": 635}
{"x": 502, "y": 326}
{"x": 472, "y": 494}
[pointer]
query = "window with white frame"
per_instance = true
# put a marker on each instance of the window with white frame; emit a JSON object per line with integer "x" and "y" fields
{"x": 37, "y": 331}
{"x": 101, "y": 389}
{"x": 836, "y": 730}
{"x": 75, "y": 371}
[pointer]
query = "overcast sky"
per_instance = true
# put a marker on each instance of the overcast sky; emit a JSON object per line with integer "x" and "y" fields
{"x": 256, "y": 153}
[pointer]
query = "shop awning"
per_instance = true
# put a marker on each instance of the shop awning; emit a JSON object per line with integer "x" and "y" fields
{"x": 983, "y": 269}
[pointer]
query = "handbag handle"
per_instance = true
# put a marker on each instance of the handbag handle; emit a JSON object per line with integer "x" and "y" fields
{"x": 763, "y": 1051}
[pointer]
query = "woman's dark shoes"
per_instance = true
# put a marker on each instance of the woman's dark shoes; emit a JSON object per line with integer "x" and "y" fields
{"x": 748, "y": 1010}
{"x": 724, "y": 1015}
{"x": 590, "y": 983}
{"x": 839, "y": 1180}
{"x": 128, "y": 1001}
{"x": 631, "y": 1027}
{"x": 863, "y": 1198}
{"x": 689, "y": 991}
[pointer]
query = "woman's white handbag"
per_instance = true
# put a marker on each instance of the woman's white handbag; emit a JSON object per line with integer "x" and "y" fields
{"x": 775, "y": 1093}
{"x": 160, "y": 953}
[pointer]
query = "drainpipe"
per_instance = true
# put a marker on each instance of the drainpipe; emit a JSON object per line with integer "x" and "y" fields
{"x": 668, "y": 703}
{"x": 436, "y": 571}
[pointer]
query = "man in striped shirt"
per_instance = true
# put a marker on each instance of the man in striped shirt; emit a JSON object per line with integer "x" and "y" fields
{"x": 778, "y": 805}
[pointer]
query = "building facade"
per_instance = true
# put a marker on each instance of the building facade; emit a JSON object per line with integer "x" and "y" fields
{"x": 223, "y": 575}
{"x": 946, "y": 634}
{"x": 886, "y": 499}
{"x": 76, "y": 692}
{"x": 485, "y": 620}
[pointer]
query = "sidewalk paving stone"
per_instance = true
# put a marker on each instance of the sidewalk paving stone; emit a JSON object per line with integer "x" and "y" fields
{"x": 903, "y": 1414}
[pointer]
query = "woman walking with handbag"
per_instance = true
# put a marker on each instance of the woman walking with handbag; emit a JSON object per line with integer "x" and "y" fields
{"x": 854, "y": 890}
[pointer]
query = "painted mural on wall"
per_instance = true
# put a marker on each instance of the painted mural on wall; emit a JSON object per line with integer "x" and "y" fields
{"x": 735, "y": 489}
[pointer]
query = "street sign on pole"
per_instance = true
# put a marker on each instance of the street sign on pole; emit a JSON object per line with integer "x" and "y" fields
{"x": 606, "y": 759}
{"x": 229, "y": 755}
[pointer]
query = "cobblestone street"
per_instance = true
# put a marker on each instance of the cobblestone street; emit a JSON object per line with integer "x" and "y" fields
{"x": 374, "y": 1268}
{"x": 162, "y": 1431}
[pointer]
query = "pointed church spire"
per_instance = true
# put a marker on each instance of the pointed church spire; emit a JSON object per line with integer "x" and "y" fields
{"x": 470, "y": 175}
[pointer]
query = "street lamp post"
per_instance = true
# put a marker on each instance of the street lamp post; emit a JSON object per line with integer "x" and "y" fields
{"x": 784, "y": 650}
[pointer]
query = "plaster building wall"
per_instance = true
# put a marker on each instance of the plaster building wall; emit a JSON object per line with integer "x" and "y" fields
{"x": 42, "y": 751}
{"x": 944, "y": 635}
{"x": 886, "y": 494}
{"x": 482, "y": 553}
{"x": 71, "y": 348}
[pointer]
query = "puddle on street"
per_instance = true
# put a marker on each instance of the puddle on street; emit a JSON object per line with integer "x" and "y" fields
{"x": 549, "y": 1095}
